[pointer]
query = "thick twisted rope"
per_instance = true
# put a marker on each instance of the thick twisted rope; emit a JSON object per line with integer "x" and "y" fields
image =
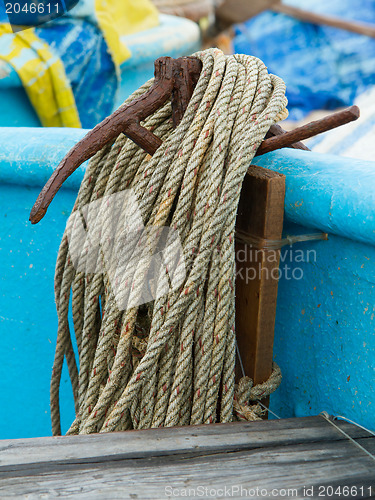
{"x": 170, "y": 361}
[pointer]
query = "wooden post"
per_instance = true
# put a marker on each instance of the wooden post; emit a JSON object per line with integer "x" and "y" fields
{"x": 260, "y": 214}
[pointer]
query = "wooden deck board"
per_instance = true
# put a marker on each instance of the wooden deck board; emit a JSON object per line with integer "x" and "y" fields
{"x": 290, "y": 454}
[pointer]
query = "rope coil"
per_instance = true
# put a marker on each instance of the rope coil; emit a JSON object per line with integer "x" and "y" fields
{"x": 171, "y": 361}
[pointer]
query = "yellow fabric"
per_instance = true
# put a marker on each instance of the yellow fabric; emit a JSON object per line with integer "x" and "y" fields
{"x": 42, "y": 73}
{"x": 117, "y": 18}
{"x": 43, "y": 77}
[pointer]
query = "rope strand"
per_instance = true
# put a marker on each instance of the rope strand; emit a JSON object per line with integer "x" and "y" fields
{"x": 171, "y": 361}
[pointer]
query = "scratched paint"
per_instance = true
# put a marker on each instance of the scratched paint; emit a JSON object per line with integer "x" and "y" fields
{"x": 324, "y": 336}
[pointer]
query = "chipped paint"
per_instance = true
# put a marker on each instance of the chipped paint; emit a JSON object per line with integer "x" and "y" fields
{"x": 333, "y": 353}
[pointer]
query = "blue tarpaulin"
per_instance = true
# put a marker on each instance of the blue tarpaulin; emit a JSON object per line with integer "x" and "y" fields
{"x": 78, "y": 41}
{"x": 89, "y": 66}
{"x": 87, "y": 41}
{"x": 323, "y": 67}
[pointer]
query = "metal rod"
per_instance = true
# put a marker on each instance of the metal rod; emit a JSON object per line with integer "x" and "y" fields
{"x": 277, "y": 130}
{"x": 308, "y": 130}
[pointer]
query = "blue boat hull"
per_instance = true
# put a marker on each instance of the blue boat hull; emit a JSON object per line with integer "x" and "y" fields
{"x": 324, "y": 337}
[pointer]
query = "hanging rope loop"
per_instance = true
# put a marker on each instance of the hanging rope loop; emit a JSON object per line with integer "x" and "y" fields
{"x": 245, "y": 392}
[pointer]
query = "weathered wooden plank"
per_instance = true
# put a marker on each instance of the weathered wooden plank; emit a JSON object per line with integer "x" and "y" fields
{"x": 260, "y": 214}
{"x": 273, "y": 470}
{"x": 233, "y": 11}
{"x": 28, "y": 454}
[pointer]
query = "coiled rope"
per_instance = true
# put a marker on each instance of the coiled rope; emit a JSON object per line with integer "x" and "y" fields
{"x": 171, "y": 361}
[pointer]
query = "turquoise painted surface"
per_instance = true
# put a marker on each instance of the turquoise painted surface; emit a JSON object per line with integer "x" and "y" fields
{"x": 335, "y": 194}
{"x": 324, "y": 337}
{"x": 27, "y": 313}
{"x": 174, "y": 37}
{"x": 16, "y": 110}
{"x": 27, "y": 260}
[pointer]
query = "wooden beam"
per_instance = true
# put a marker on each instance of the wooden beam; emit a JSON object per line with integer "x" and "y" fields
{"x": 192, "y": 10}
{"x": 34, "y": 453}
{"x": 238, "y": 11}
{"x": 360, "y": 28}
{"x": 147, "y": 464}
{"x": 260, "y": 214}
